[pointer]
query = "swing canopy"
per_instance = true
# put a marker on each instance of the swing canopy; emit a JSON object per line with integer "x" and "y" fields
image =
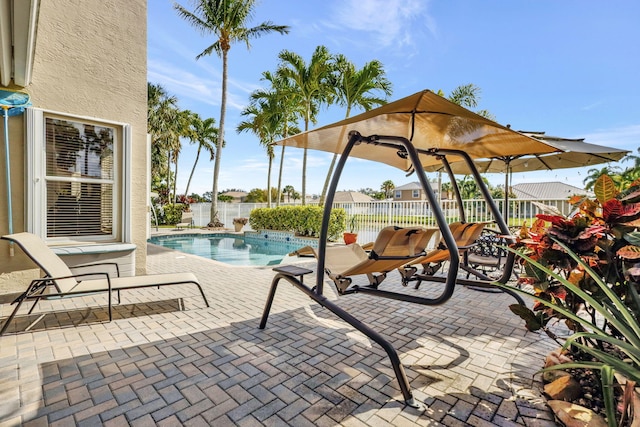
{"x": 431, "y": 123}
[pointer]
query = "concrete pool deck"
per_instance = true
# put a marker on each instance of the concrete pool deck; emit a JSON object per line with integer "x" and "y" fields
{"x": 168, "y": 360}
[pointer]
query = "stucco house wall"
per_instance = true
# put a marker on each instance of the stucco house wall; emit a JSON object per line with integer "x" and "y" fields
{"x": 89, "y": 61}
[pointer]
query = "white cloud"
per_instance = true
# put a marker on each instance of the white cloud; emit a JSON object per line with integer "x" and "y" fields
{"x": 625, "y": 137}
{"x": 391, "y": 22}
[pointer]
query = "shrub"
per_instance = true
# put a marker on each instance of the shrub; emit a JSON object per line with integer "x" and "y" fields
{"x": 173, "y": 213}
{"x": 302, "y": 220}
{"x": 585, "y": 271}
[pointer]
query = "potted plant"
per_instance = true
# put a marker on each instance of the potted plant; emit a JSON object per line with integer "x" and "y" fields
{"x": 238, "y": 223}
{"x": 352, "y": 235}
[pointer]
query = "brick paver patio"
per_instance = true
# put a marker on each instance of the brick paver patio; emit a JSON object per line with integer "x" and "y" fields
{"x": 470, "y": 361}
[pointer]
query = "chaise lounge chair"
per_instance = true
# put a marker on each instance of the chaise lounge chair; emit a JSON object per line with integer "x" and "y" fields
{"x": 465, "y": 236}
{"x": 393, "y": 248}
{"x": 59, "y": 281}
{"x": 186, "y": 220}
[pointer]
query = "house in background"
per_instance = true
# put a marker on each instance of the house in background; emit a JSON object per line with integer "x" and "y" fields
{"x": 411, "y": 192}
{"x": 548, "y": 193}
{"x": 80, "y": 155}
{"x": 351, "y": 196}
{"x": 547, "y": 190}
{"x": 236, "y": 196}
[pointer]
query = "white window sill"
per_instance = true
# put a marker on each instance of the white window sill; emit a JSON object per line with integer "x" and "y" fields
{"x": 94, "y": 249}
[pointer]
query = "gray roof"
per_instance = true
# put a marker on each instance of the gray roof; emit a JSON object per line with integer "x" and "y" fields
{"x": 546, "y": 190}
{"x": 410, "y": 186}
{"x": 351, "y": 196}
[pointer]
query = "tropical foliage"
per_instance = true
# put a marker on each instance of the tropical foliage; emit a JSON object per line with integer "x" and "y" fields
{"x": 356, "y": 88}
{"x": 585, "y": 271}
{"x": 312, "y": 88}
{"x": 227, "y": 21}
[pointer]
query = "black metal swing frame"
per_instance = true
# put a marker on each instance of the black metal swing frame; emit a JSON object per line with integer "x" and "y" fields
{"x": 406, "y": 149}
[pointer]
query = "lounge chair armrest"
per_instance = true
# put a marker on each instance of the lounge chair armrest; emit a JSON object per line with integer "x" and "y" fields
{"x": 373, "y": 255}
{"x": 47, "y": 280}
{"x": 114, "y": 264}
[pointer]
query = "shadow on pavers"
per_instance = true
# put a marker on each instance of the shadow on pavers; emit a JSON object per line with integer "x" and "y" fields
{"x": 305, "y": 367}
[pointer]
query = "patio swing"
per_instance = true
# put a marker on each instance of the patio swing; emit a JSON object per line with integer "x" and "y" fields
{"x": 411, "y": 133}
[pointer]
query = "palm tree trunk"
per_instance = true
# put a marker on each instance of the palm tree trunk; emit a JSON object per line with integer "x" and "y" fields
{"x": 175, "y": 181}
{"x": 280, "y": 177}
{"x": 216, "y": 168}
{"x": 169, "y": 177}
{"x": 327, "y": 179}
{"x": 269, "y": 183}
{"x": 304, "y": 162}
{"x": 333, "y": 164}
{"x": 186, "y": 191}
{"x": 304, "y": 176}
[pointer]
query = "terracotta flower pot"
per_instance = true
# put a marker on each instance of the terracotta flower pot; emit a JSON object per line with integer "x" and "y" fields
{"x": 238, "y": 226}
{"x": 349, "y": 238}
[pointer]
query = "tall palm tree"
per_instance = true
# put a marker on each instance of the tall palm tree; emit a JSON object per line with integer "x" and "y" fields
{"x": 289, "y": 107}
{"x": 162, "y": 110}
{"x": 227, "y": 20}
{"x": 264, "y": 122}
{"x": 205, "y": 135}
{"x": 159, "y": 104}
{"x": 357, "y": 88}
{"x": 312, "y": 83}
{"x": 181, "y": 128}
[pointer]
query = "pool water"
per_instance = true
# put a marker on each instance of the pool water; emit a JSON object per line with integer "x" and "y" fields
{"x": 228, "y": 248}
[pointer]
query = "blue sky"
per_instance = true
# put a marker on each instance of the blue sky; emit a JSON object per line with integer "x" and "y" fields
{"x": 570, "y": 68}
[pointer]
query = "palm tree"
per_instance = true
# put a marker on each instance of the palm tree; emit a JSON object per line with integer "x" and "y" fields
{"x": 468, "y": 187}
{"x": 594, "y": 173}
{"x": 387, "y": 188}
{"x": 467, "y": 96}
{"x": 288, "y": 190}
{"x": 181, "y": 128}
{"x": 312, "y": 83}
{"x": 356, "y": 88}
{"x": 161, "y": 111}
{"x": 266, "y": 124}
{"x": 281, "y": 92}
{"x": 635, "y": 159}
{"x": 227, "y": 21}
{"x": 446, "y": 189}
{"x": 205, "y": 134}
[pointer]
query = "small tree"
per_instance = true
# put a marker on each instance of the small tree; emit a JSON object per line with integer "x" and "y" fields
{"x": 387, "y": 188}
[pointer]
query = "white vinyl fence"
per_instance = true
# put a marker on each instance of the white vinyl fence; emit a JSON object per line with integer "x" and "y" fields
{"x": 372, "y": 216}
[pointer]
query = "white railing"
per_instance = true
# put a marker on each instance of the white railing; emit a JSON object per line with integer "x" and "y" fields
{"x": 372, "y": 216}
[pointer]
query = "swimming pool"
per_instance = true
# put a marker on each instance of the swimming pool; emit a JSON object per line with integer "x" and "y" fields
{"x": 228, "y": 248}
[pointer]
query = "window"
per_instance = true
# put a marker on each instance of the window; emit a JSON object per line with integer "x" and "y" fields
{"x": 80, "y": 174}
{"x": 398, "y": 194}
{"x": 416, "y": 194}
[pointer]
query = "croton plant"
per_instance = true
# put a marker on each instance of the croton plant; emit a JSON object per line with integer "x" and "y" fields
{"x": 602, "y": 232}
{"x": 585, "y": 270}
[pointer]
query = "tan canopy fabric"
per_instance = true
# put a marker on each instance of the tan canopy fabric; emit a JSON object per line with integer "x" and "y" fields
{"x": 574, "y": 153}
{"x": 430, "y": 122}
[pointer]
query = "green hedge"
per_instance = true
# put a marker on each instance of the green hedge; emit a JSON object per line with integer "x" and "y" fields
{"x": 172, "y": 214}
{"x": 302, "y": 220}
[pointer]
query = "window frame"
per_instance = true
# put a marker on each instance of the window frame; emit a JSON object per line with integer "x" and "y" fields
{"x": 398, "y": 194}
{"x": 36, "y": 200}
{"x": 415, "y": 193}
